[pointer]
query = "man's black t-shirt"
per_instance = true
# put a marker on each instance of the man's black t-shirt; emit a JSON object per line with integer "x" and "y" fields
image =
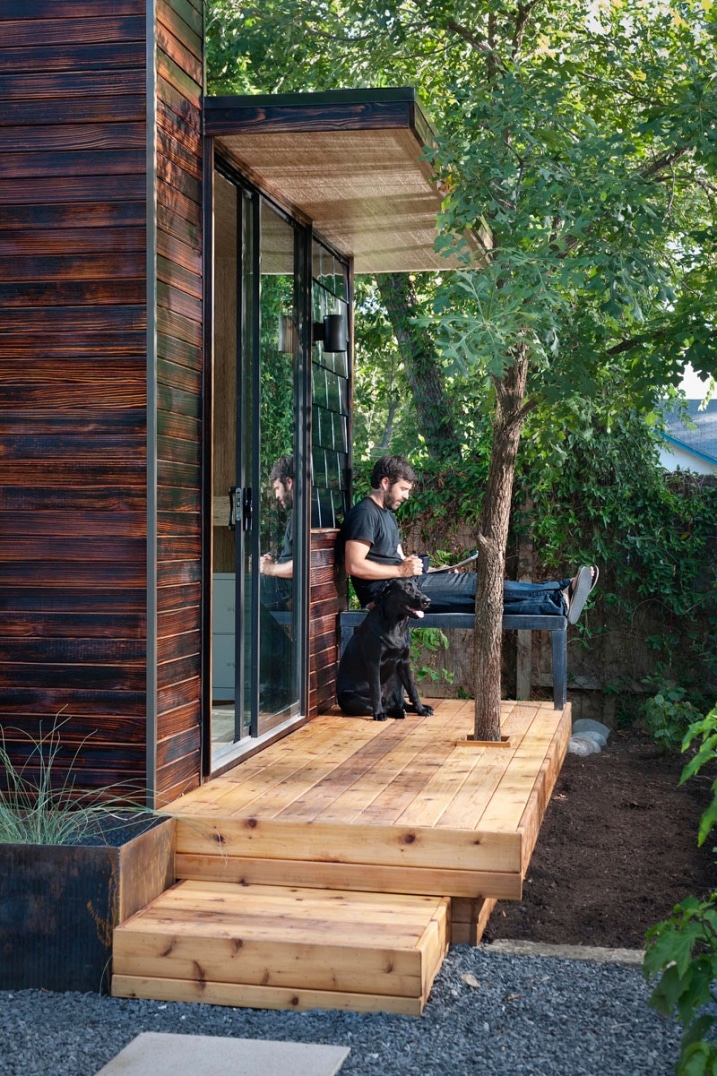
{"x": 287, "y": 549}
{"x": 366, "y": 522}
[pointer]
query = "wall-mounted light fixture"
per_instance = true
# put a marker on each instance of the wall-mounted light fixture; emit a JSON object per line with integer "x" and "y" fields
{"x": 332, "y": 332}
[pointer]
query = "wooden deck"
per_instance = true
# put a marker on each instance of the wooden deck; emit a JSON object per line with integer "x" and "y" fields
{"x": 334, "y": 869}
{"x": 407, "y": 806}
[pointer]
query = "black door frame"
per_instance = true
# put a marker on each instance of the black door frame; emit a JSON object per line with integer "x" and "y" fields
{"x": 302, "y": 508}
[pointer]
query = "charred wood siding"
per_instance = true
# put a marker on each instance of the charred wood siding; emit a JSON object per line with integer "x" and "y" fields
{"x": 74, "y": 389}
{"x": 325, "y": 603}
{"x": 179, "y": 394}
{"x": 73, "y": 392}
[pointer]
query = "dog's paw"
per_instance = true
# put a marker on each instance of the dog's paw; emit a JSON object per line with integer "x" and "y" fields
{"x": 424, "y": 711}
{"x": 379, "y": 717}
{"x": 399, "y": 714}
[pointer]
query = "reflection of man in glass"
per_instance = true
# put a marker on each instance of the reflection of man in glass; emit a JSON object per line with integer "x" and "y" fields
{"x": 276, "y": 647}
{"x": 277, "y": 571}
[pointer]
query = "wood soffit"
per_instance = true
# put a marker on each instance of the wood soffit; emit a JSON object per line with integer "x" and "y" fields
{"x": 350, "y": 161}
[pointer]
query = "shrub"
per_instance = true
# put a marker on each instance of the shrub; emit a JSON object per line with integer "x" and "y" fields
{"x": 35, "y": 809}
{"x": 668, "y": 716}
{"x": 682, "y": 950}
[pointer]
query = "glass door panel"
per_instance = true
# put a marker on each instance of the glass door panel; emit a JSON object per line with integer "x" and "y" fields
{"x": 258, "y": 444}
{"x": 276, "y": 469}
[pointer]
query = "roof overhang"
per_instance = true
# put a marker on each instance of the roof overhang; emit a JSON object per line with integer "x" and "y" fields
{"x": 349, "y": 161}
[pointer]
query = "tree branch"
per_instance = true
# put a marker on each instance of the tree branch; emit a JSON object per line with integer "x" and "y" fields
{"x": 662, "y": 163}
{"x": 475, "y": 42}
{"x": 521, "y": 22}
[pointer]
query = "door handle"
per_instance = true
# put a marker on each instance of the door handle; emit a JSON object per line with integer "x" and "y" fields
{"x": 246, "y": 508}
{"x": 240, "y": 498}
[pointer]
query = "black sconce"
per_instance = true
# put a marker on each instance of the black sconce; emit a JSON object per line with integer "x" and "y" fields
{"x": 331, "y": 332}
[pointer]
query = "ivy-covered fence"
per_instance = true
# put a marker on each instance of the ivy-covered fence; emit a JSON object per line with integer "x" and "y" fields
{"x": 649, "y": 630}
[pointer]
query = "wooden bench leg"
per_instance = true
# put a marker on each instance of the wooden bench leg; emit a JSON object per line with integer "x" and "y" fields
{"x": 559, "y": 640}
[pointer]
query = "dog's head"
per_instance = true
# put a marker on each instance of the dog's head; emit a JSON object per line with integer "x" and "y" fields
{"x": 403, "y": 597}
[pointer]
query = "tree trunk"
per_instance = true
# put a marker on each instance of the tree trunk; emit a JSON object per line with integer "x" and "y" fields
{"x": 423, "y": 370}
{"x": 492, "y": 542}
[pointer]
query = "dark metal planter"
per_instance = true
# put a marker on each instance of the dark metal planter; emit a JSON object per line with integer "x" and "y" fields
{"x": 59, "y": 907}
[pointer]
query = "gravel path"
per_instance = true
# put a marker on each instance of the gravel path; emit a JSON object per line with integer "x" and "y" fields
{"x": 488, "y": 1014}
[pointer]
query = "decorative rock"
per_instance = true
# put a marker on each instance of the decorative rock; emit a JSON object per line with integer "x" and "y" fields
{"x": 583, "y": 745}
{"x": 591, "y": 734}
{"x": 586, "y": 724}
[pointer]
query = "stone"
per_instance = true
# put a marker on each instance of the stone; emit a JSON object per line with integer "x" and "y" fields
{"x": 582, "y": 745}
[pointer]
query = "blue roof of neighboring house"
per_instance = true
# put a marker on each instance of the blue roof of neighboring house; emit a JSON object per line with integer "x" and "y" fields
{"x": 700, "y": 436}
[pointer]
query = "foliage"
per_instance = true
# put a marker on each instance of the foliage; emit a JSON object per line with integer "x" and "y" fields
{"x": 382, "y": 423}
{"x": 668, "y": 716}
{"x": 432, "y": 640}
{"x": 682, "y": 950}
{"x": 276, "y": 400}
{"x": 705, "y": 756}
{"x": 604, "y": 498}
{"x": 605, "y": 494}
{"x": 35, "y": 809}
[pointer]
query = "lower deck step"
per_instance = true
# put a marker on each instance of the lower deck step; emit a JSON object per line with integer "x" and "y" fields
{"x": 283, "y": 947}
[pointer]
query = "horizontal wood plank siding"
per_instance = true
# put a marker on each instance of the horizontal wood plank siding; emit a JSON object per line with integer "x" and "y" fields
{"x": 179, "y": 291}
{"x": 324, "y": 609}
{"x": 73, "y": 387}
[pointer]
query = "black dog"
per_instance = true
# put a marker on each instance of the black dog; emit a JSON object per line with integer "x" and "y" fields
{"x": 374, "y": 670}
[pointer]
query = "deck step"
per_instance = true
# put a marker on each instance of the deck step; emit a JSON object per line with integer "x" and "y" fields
{"x": 283, "y": 947}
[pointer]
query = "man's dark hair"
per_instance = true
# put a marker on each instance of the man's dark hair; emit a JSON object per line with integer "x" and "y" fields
{"x": 282, "y": 469}
{"x": 394, "y": 468}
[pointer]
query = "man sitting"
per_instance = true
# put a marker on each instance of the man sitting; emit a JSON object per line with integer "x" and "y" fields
{"x": 370, "y": 544}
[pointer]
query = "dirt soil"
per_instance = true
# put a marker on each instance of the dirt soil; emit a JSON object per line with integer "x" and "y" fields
{"x": 616, "y": 851}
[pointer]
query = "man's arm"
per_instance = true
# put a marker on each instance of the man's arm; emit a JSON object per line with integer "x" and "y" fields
{"x": 282, "y": 568}
{"x": 357, "y": 563}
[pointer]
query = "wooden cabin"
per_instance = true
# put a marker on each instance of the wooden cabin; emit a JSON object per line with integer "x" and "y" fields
{"x": 176, "y": 276}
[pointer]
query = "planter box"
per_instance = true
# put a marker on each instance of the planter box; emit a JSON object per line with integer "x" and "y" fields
{"x": 59, "y": 907}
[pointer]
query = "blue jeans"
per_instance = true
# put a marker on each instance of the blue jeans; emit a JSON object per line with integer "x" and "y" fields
{"x": 456, "y": 593}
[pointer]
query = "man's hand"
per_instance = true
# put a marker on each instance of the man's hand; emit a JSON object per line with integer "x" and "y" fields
{"x": 410, "y": 566}
{"x": 284, "y": 569}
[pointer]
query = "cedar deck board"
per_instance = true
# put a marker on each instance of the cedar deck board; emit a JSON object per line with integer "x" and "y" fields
{"x": 260, "y": 997}
{"x": 286, "y": 937}
{"x": 357, "y": 876}
{"x": 410, "y": 799}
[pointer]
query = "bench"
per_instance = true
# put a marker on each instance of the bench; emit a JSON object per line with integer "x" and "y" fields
{"x": 556, "y": 625}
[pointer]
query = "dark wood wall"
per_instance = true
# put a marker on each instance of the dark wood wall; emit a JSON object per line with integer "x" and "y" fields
{"x": 327, "y": 596}
{"x": 179, "y": 396}
{"x": 75, "y": 515}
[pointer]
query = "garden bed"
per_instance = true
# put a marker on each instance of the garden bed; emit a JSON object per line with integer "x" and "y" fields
{"x": 617, "y": 849}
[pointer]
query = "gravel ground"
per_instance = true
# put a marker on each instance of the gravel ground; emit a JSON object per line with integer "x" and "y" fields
{"x": 488, "y": 1014}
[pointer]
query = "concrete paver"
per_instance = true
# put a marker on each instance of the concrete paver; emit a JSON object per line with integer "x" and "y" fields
{"x": 155, "y": 1054}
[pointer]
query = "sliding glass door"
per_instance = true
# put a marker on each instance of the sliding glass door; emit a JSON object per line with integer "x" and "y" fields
{"x": 259, "y": 449}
